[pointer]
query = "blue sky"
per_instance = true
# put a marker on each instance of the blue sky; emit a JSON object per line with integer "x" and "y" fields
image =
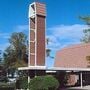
{"x": 63, "y": 25}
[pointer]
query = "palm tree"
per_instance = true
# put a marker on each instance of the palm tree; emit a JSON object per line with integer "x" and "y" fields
{"x": 48, "y": 51}
{"x": 86, "y": 37}
{"x": 86, "y": 19}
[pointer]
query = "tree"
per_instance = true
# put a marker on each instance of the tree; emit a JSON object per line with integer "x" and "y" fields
{"x": 18, "y": 43}
{"x": 15, "y": 54}
{"x": 22, "y": 83}
{"x": 88, "y": 59}
{"x": 0, "y": 56}
{"x": 48, "y": 50}
{"x": 47, "y": 82}
{"x": 86, "y": 37}
{"x": 86, "y": 19}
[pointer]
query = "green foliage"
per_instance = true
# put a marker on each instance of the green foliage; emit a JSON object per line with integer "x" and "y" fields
{"x": 0, "y": 57}
{"x": 3, "y": 74}
{"x": 15, "y": 54}
{"x": 17, "y": 51}
{"x": 48, "y": 52}
{"x": 23, "y": 83}
{"x": 51, "y": 82}
{"x": 88, "y": 59}
{"x": 86, "y": 19}
{"x": 7, "y": 86}
{"x": 44, "y": 83}
{"x": 18, "y": 43}
{"x": 86, "y": 37}
{"x": 37, "y": 83}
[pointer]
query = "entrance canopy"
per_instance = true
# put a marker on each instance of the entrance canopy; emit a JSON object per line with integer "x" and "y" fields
{"x": 69, "y": 69}
{"x": 33, "y": 68}
{"x": 53, "y": 68}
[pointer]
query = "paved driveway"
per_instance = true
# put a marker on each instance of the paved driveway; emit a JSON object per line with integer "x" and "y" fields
{"x": 77, "y": 88}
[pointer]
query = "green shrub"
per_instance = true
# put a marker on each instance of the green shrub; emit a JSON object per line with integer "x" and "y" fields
{"x": 51, "y": 82}
{"x": 7, "y": 86}
{"x": 37, "y": 83}
{"x": 44, "y": 83}
{"x": 22, "y": 83}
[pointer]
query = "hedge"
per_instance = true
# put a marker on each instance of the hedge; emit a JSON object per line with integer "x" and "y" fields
{"x": 44, "y": 83}
{"x": 22, "y": 83}
{"x": 7, "y": 86}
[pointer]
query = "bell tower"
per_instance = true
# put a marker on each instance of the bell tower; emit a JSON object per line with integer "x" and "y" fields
{"x": 37, "y": 15}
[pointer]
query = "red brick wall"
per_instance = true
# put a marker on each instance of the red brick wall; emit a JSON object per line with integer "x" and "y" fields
{"x": 41, "y": 9}
{"x": 40, "y": 40}
{"x": 32, "y": 60}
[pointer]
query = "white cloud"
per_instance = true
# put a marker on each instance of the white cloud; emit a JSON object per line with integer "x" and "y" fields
{"x": 64, "y": 35}
{"x": 4, "y": 35}
{"x": 21, "y": 28}
{"x": 3, "y": 46}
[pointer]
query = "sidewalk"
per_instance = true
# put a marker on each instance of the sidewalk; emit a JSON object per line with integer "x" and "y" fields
{"x": 79, "y": 88}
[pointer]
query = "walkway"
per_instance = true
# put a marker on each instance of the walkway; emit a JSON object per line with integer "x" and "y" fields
{"x": 79, "y": 88}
